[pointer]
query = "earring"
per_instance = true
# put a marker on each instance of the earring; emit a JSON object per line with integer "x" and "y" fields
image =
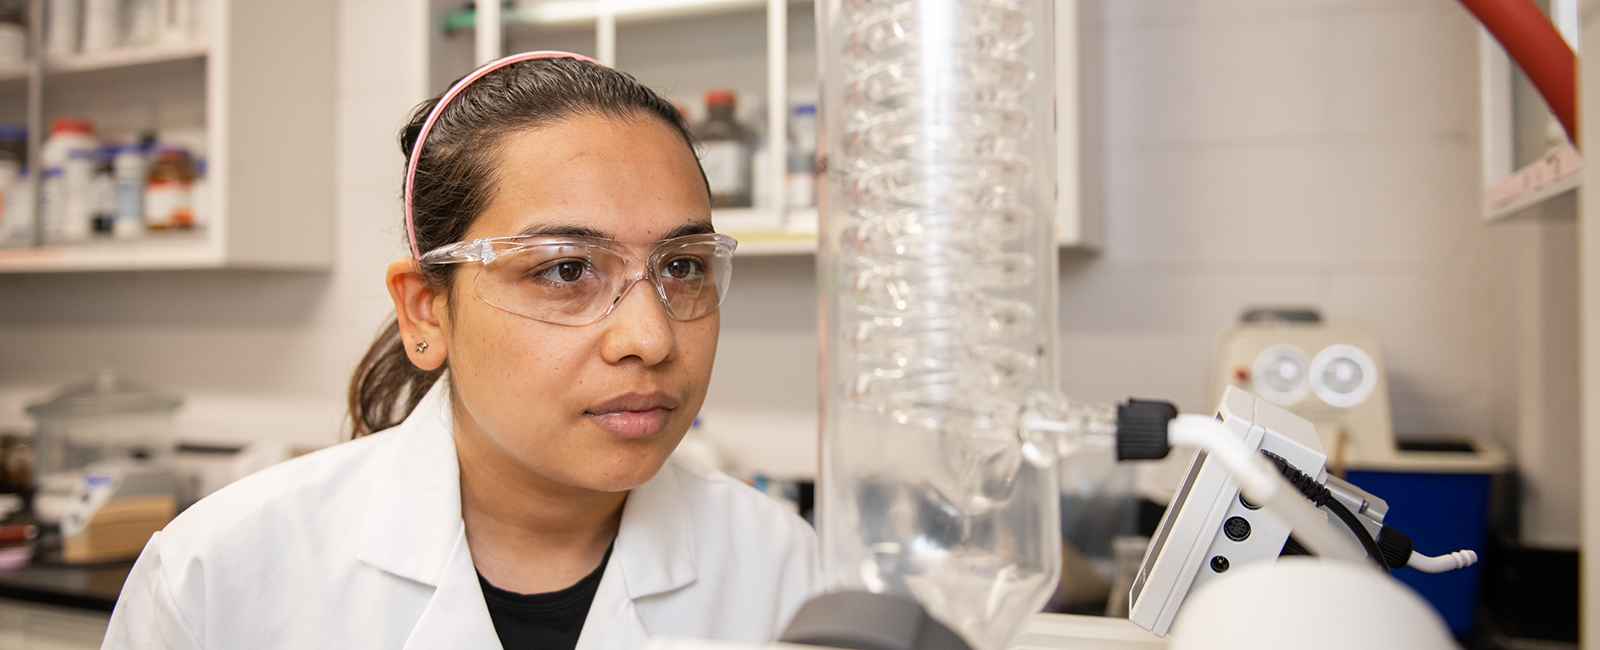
{"x": 422, "y": 346}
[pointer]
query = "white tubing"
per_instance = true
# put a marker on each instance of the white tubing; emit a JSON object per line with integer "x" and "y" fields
{"x": 1442, "y": 563}
{"x": 1262, "y": 484}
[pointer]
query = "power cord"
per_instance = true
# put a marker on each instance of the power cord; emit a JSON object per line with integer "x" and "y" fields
{"x": 1321, "y": 496}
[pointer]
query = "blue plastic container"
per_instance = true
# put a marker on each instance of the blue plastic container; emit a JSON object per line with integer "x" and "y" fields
{"x": 1441, "y": 513}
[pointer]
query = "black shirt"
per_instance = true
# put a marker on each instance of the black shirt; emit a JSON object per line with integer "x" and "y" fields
{"x": 548, "y": 621}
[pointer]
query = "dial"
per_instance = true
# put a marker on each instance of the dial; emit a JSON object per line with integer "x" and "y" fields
{"x": 1343, "y": 375}
{"x": 1280, "y": 373}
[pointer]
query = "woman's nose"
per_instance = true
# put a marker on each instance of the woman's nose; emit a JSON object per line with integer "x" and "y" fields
{"x": 639, "y": 327}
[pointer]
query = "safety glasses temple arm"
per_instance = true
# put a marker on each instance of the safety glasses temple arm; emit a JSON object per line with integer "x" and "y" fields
{"x": 459, "y": 252}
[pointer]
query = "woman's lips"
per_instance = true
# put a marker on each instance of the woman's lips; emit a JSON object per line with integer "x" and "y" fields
{"x": 633, "y": 415}
{"x": 631, "y": 424}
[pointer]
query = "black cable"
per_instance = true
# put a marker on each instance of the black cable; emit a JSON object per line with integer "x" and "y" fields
{"x": 1350, "y": 520}
{"x": 1321, "y": 496}
{"x": 1293, "y": 547}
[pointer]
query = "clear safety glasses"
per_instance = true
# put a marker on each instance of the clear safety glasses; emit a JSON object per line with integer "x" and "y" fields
{"x": 579, "y": 280}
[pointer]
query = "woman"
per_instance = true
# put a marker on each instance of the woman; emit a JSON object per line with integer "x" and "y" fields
{"x": 555, "y": 331}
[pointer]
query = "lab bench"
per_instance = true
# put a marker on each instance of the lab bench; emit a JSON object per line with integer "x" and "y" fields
{"x": 58, "y": 606}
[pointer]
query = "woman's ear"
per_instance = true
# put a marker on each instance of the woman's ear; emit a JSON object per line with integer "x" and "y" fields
{"x": 420, "y": 329}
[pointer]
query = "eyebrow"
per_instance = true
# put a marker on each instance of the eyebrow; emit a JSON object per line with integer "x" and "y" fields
{"x": 691, "y": 228}
{"x": 572, "y": 230}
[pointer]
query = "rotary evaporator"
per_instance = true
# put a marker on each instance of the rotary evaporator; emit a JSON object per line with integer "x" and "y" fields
{"x": 942, "y": 424}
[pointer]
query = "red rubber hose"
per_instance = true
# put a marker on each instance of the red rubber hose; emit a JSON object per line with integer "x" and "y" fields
{"x": 1536, "y": 46}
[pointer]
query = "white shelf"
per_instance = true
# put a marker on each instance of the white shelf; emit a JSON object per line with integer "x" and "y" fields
{"x": 574, "y": 13}
{"x": 125, "y": 58}
{"x": 769, "y": 232}
{"x": 110, "y": 60}
{"x": 1526, "y": 202}
{"x": 775, "y": 244}
{"x": 1556, "y": 174}
{"x": 157, "y": 252}
{"x": 571, "y": 12}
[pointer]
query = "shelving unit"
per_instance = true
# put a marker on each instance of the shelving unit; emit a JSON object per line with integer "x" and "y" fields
{"x": 1530, "y": 170}
{"x": 256, "y": 97}
{"x": 681, "y": 47}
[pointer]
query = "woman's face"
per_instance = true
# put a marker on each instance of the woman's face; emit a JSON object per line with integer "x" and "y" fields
{"x": 598, "y": 406}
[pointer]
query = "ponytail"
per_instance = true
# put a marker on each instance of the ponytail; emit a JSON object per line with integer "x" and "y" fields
{"x": 387, "y": 386}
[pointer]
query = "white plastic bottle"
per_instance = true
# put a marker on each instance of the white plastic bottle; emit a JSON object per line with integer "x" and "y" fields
{"x": 101, "y": 24}
{"x": 51, "y": 199}
{"x": 13, "y": 37}
{"x": 10, "y": 177}
{"x": 200, "y": 193}
{"x": 202, "y": 20}
{"x": 69, "y": 156}
{"x": 62, "y": 22}
{"x": 800, "y": 181}
{"x": 177, "y": 22}
{"x": 103, "y": 193}
{"x": 141, "y": 22}
{"x": 128, "y": 173}
{"x": 19, "y": 211}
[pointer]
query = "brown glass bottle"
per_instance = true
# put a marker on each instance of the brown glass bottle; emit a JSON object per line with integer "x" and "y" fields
{"x": 725, "y": 148}
{"x": 168, "y": 200}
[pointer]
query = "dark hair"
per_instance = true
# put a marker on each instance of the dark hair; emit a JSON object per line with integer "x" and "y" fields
{"x": 456, "y": 180}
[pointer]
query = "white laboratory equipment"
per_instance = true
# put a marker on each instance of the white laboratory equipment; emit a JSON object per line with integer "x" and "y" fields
{"x": 1291, "y": 603}
{"x": 104, "y": 451}
{"x": 1335, "y": 375}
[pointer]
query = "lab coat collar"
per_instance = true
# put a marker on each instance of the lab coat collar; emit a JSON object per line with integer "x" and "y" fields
{"x": 414, "y": 528}
{"x": 456, "y": 616}
{"x": 655, "y": 542}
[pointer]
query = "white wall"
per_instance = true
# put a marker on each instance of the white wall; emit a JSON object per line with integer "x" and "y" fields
{"x": 1319, "y": 152}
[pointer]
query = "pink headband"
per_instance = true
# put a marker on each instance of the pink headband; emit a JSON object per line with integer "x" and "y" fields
{"x": 433, "y": 116}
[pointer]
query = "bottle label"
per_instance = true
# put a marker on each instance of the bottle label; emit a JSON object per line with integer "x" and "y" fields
{"x": 52, "y": 203}
{"x": 130, "y": 202}
{"x": 167, "y": 205}
{"x": 724, "y": 164}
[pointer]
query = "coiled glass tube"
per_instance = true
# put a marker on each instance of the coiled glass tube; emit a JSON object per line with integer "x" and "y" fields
{"x": 937, "y": 260}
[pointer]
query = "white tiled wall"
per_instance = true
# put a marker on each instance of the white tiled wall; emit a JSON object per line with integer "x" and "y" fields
{"x": 1318, "y": 152}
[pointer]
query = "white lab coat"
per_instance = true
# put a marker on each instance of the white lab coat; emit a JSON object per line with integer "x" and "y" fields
{"x": 361, "y": 545}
